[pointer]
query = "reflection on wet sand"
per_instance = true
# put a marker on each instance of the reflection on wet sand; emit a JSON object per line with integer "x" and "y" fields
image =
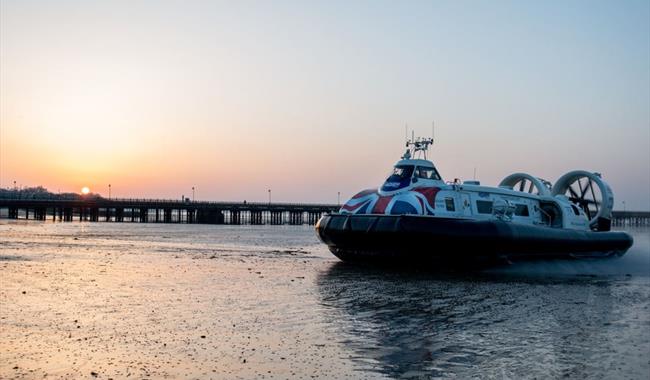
{"x": 413, "y": 325}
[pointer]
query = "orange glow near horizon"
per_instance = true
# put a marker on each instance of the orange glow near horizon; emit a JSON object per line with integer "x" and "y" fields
{"x": 232, "y": 104}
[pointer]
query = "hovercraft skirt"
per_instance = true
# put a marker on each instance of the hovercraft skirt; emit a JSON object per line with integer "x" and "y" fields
{"x": 410, "y": 238}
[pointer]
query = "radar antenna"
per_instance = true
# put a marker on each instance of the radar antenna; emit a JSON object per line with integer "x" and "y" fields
{"x": 417, "y": 147}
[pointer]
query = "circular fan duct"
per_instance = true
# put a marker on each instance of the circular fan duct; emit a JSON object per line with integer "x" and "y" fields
{"x": 589, "y": 192}
{"x": 527, "y": 183}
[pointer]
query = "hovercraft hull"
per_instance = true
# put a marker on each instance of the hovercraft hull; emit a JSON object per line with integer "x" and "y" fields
{"x": 411, "y": 239}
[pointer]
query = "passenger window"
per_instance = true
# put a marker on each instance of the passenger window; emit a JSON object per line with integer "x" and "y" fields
{"x": 521, "y": 210}
{"x": 484, "y": 207}
{"x": 449, "y": 203}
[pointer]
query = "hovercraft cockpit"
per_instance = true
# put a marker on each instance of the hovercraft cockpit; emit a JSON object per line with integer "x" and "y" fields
{"x": 410, "y": 170}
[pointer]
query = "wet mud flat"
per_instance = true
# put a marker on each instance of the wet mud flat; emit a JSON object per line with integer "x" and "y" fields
{"x": 81, "y": 300}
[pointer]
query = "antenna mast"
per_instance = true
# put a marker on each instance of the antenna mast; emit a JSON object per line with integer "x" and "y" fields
{"x": 419, "y": 145}
{"x": 406, "y": 134}
{"x": 433, "y": 130}
{"x": 415, "y": 146}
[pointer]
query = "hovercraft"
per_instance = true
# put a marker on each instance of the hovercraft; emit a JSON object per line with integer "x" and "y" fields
{"x": 417, "y": 217}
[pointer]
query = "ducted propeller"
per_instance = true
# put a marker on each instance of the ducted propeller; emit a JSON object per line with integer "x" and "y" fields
{"x": 589, "y": 192}
{"x": 527, "y": 183}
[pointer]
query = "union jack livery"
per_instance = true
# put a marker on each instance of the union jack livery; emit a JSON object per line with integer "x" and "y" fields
{"x": 417, "y": 201}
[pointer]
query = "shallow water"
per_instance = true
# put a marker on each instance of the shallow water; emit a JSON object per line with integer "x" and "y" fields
{"x": 193, "y": 301}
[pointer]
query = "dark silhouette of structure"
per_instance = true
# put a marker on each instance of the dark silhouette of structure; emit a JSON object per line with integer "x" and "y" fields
{"x": 163, "y": 211}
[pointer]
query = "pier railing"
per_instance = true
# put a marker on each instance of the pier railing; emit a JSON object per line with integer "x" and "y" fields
{"x": 162, "y": 210}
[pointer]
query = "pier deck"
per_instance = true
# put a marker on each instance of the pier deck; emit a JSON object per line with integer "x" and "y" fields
{"x": 163, "y": 211}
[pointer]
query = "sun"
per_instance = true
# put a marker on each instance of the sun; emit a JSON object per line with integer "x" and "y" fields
{"x": 85, "y": 190}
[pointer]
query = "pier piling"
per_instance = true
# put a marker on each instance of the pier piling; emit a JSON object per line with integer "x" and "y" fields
{"x": 165, "y": 211}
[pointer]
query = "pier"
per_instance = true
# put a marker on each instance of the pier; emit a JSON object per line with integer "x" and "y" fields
{"x": 631, "y": 218}
{"x": 163, "y": 211}
{"x": 176, "y": 211}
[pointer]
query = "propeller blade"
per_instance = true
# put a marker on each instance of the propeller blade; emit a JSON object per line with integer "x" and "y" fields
{"x": 522, "y": 184}
{"x": 582, "y": 191}
{"x": 593, "y": 194}
{"x": 573, "y": 192}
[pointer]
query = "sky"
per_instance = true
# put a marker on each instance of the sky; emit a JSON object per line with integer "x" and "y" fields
{"x": 310, "y": 99}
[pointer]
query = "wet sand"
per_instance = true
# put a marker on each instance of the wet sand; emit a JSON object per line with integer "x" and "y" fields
{"x": 80, "y": 300}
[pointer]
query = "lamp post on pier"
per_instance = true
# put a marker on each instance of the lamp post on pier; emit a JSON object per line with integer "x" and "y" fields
{"x": 109, "y": 191}
{"x": 338, "y": 198}
{"x": 269, "y": 196}
{"x": 192, "y": 193}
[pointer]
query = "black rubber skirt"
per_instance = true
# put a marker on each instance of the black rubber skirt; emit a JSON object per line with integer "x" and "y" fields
{"x": 409, "y": 239}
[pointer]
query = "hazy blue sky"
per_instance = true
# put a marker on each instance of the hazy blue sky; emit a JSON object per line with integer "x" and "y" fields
{"x": 309, "y": 99}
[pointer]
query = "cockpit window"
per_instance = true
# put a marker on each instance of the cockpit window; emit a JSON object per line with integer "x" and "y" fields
{"x": 400, "y": 178}
{"x": 427, "y": 173}
{"x": 401, "y": 172}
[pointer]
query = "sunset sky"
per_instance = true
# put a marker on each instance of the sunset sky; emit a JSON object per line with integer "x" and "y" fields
{"x": 309, "y": 99}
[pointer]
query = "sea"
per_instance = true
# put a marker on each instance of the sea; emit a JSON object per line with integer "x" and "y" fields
{"x": 130, "y": 300}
